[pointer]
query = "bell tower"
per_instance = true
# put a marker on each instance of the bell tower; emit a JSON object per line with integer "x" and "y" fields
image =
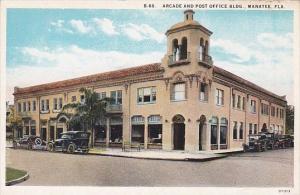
{"x": 188, "y": 44}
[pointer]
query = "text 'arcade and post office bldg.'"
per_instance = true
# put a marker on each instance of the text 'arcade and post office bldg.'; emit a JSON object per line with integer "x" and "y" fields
{"x": 183, "y": 103}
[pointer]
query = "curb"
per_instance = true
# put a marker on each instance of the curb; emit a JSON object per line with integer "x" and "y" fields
{"x": 169, "y": 159}
{"x": 19, "y": 180}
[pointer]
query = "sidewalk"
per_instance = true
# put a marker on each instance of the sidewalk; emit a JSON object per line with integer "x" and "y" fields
{"x": 157, "y": 154}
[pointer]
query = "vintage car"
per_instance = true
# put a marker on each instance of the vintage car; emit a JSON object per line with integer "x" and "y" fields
{"x": 257, "y": 142}
{"x": 30, "y": 142}
{"x": 71, "y": 141}
{"x": 272, "y": 140}
{"x": 285, "y": 141}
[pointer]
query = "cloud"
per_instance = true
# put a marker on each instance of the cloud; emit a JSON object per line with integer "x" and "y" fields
{"x": 142, "y": 32}
{"x": 275, "y": 41}
{"x": 269, "y": 66}
{"x": 106, "y": 26}
{"x": 81, "y": 26}
{"x": 241, "y": 53}
{"x": 136, "y": 32}
{"x": 59, "y": 26}
{"x": 70, "y": 62}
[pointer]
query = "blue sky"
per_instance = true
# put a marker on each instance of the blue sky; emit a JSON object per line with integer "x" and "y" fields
{"x": 67, "y": 43}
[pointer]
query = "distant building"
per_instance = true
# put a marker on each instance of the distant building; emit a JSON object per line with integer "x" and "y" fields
{"x": 183, "y": 103}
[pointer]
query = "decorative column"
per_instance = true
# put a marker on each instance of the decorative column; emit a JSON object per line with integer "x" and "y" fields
{"x": 146, "y": 134}
{"x": 107, "y": 132}
{"x": 208, "y": 145}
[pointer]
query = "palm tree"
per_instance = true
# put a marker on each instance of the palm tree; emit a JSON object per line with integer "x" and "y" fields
{"x": 85, "y": 115}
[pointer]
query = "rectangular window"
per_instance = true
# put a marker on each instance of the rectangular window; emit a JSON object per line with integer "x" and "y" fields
{"x": 219, "y": 97}
{"x": 34, "y": 105}
{"x": 73, "y": 98}
{"x": 101, "y": 95}
{"x": 55, "y": 103}
{"x": 239, "y": 102}
{"x": 250, "y": 128}
{"x": 272, "y": 111}
{"x": 255, "y": 128}
{"x": 277, "y": 112}
{"x": 19, "y": 107}
{"x": 28, "y": 106}
{"x": 264, "y": 109}
{"x": 233, "y": 100}
{"x": 43, "y": 105}
{"x": 47, "y": 105}
{"x": 82, "y": 100}
{"x": 60, "y": 103}
{"x": 116, "y": 97}
{"x": 147, "y": 95}
{"x": 253, "y": 106}
{"x": 244, "y": 103}
{"x": 203, "y": 92}
{"x": 24, "y": 106}
{"x": 178, "y": 92}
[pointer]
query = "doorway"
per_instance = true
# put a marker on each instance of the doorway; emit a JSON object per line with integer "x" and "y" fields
{"x": 178, "y": 132}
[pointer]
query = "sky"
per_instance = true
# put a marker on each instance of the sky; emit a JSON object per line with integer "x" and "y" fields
{"x": 46, "y": 45}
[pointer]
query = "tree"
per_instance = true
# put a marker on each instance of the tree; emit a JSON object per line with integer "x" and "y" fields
{"x": 85, "y": 115}
{"x": 14, "y": 121}
{"x": 289, "y": 119}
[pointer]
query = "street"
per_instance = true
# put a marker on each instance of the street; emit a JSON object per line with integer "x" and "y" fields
{"x": 264, "y": 169}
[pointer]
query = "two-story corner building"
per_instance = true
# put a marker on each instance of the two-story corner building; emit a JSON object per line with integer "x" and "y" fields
{"x": 183, "y": 103}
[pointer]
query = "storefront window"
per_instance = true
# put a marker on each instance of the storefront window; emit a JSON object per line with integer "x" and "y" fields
{"x": 100, "y": 133}
{"x": 213, "y": 137}
{"x": 137, "y": 129}
{"x": 154, "y": 129}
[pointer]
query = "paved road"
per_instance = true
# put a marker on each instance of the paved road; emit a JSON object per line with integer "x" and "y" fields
{"x": 271, "y": 168}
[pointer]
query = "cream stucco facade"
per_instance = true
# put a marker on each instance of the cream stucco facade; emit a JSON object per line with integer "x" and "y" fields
{"x": 185, "y": 102}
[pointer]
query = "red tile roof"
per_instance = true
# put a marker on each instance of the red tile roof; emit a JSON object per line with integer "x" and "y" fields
{"x": 245, "y": 82}
{"x": 128, "y": 72}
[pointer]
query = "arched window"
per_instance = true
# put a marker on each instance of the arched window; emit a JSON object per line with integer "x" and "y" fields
{"x": 241, "y": 133}
{"x": 201, "y": 50}
{"x": 206, "y": 48}
{"x": 223, "y": 131}
{"x": 183, "y": 49}
{"x": 175, "y": 50}
{"x": 214, "y": 131}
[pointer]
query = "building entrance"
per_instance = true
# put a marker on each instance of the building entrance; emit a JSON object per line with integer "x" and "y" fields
{"x": 178, "y": 132}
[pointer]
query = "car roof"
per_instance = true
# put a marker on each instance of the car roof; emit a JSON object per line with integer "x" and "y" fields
{"x": 74, "y": 132}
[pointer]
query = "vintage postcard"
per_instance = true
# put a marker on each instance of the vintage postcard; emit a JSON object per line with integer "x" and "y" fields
{"x": 147, "y": 96}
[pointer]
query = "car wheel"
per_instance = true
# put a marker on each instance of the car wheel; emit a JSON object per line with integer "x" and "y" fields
{"x": 51, "y": 147}
{"x": 71, "y": 148}
{"x": 265, "y": 147}
{"x": 38, "y": 141}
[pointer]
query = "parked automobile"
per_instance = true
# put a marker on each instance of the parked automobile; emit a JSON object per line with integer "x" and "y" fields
{"x": 292, "y": 140}
{"x": 285, "y": 141}
{"x": 30, "y": 142}
{"x": 272, "y": 140}
{"x": 257, "y": 142}
{"x": 71, "y": 141}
